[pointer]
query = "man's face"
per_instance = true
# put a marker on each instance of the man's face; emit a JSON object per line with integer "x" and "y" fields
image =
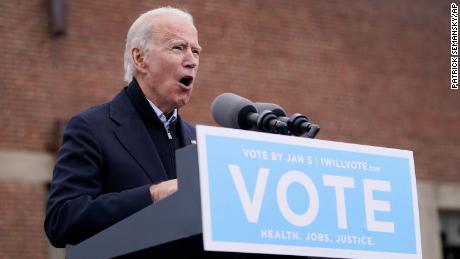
{"x": 171, "y": 64}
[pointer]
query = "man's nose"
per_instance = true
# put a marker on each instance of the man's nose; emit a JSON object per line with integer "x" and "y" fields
{"x": 191, "y": 59}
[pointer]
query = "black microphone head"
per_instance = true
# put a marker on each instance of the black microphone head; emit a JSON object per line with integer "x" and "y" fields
{"x": 231, "y": 110}
{"x": 275, "y": 108}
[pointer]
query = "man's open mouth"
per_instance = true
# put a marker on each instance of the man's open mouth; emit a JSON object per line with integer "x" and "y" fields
{"x": 186, "y": 80}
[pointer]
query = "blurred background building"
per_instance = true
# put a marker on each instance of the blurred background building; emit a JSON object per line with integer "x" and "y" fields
{"x": 369, "y": 72}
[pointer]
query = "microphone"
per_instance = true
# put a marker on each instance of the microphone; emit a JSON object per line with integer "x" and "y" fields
{"x": 233, "y": 111}
{"x": 275, "y": 108}
{"x": 297, "y": 124}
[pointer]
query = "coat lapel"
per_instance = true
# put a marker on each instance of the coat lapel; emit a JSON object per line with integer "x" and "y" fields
{"x": 133, "y": 135}
{"x": 187, "y": 132}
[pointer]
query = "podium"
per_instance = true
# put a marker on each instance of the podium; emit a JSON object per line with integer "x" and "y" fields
{"x": 172, "y": 219}
{"x": 355, "y": 202}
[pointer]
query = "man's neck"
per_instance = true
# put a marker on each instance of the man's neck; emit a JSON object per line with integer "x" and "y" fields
{"x": 167, "y": 111}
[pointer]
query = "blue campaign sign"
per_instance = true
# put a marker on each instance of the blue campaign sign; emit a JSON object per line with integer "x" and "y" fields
{"x": 265, "y": 193}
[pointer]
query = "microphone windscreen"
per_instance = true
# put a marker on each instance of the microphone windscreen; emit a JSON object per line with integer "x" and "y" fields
{"x": 275, "y": 108}
{"x": 227, "y": 110}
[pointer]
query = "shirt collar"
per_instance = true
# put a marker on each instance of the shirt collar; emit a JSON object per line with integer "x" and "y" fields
{"x": 162, "y": 116}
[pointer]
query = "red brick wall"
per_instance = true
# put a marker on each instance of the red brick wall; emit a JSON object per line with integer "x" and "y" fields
{"x": 21, "y": 220}
{"x": 369, "y": 72}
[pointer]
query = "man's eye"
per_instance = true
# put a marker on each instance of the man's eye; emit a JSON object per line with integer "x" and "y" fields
{"x": 178, "y": 47}
{"x": 197, "y": 52}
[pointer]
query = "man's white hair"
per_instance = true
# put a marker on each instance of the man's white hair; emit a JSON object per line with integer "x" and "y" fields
{"x": 140, "y": 34}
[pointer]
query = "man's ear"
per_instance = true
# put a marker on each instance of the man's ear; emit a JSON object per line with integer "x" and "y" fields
{"x": 138, "y": 60}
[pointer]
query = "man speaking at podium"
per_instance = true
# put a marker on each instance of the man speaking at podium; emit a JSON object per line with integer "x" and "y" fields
{"x": 118, "y": 158}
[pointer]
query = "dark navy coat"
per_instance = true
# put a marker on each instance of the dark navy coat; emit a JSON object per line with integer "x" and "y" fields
{"x": 106, "y": 164}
